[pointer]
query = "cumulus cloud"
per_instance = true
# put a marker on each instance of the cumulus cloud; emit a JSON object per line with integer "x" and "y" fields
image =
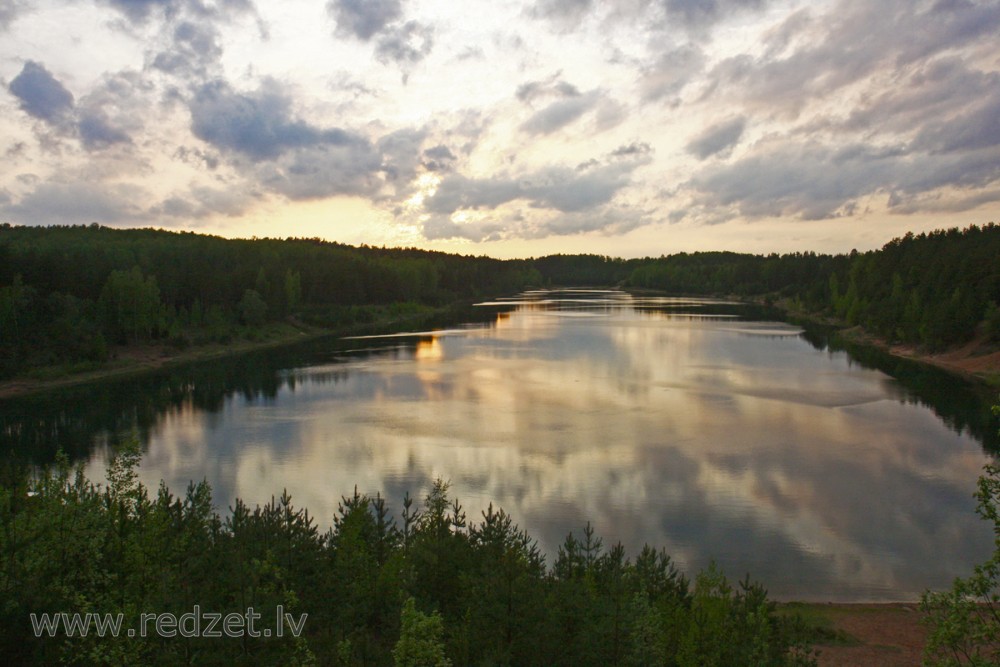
{"x": 717, "y": 138}
{"x": 98, "y": 120}
{"x": 401, "y": 153}
{"x": 96, "y": 131}
{"x": 671, "y": 72}
{"x": 202, "y": 202}
{"x": 140, "y": 10}
{"x": 79, "y": 203}
{"x": 530, "y": 225}
{"x": 405, "y": 44}
{"x": 529, "y": 91}
{"x": 10, "y": 10}
{"x": 560, "y": 113}
{"x": 701, "y": 13}
{"x": 438, "y": 158}
{"x": 294, "y": 157}
{"x": 968, "y": 129}
{"x": 40, "y": 94}
{"x": 814, "y": 181}
{"x": 565, "y": 12}
{"x": 257, "y": 125}
{"x": 194, "y": 48}
{"x": 319, "y": 171}
{"x": 921, "y": 131}
{"x": 363, "y": 18}
{"x": 851, "y": 43}
{"x": 560, "y": 200}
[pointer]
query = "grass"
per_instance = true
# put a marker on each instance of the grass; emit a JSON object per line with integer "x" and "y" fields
{"x": 812, "y": 624}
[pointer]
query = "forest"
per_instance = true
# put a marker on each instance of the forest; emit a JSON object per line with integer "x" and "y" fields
{"x": 433, "y": 588}
{"x": 73, "y": 295}
{"x": 933, "y": 289}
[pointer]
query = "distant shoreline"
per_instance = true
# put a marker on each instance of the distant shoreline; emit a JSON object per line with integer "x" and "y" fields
{"x": 140, "y": 359}
{"x": 146, "y": 358}
{"x": 974, "y": 360}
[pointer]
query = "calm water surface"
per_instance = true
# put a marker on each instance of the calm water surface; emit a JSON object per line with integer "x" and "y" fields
{"x": 682, "y": 423}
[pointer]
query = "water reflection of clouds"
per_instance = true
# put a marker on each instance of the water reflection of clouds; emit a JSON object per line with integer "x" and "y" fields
{"x": 758, "y": 450}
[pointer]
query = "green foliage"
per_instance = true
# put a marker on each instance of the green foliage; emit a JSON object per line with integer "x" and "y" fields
{"x": 420, "y": 642}
{"x": 130, "y": 306}
{"x": 252, "y": 308}
{"x": 992, "y": 321}
{"x": 930, "y": 289}
{"x": 435, "y": 589}
{"x": 69, "y": 294}
{"x": 965, "y": 621}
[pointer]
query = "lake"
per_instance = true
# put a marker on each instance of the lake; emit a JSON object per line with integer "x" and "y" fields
{"x": 697, "y": 425}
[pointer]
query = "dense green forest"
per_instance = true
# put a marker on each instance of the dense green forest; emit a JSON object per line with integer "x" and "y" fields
{"x": 934, "y": 290}
{"x": 433, "y": 588}
{"x": 71, "y": 295}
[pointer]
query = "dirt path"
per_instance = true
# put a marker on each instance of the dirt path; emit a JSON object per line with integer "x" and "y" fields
{"x": 875, "y": 635}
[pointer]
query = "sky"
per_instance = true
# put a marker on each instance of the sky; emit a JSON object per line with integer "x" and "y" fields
{"x": 507, "y": 128}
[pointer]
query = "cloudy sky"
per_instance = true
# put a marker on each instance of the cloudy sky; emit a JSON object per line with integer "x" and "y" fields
{"x": 510, "y": 128}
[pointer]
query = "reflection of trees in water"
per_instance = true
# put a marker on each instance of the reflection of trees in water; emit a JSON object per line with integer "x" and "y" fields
{"x": 77, "y": 419}
{"x": 963, "y": 406}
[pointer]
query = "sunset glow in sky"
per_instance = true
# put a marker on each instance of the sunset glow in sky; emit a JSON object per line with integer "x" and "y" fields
{"x": 625, "y": 127}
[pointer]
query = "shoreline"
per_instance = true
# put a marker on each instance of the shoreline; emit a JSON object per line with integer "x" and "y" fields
{"x": 976, "y": 360}
{"x": 137, "y": 360}
{"x": 970, "y": 361}
{"x": 881, "y": 634}
{"x": 147, "y": 358}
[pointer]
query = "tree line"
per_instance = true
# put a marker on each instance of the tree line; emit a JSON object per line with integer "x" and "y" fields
{"x": 934, "y": 289}
{"x": 431, "y": 588}
{"x": 71, "y": 295}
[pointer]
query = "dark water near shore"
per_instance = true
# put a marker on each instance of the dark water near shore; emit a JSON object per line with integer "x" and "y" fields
{"x": 695, "y": 425}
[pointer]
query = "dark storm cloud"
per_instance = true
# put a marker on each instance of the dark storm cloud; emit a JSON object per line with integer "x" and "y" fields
{"x": 363, "y": 18}
{"x": 40, "y": 94}
{"x": 717, "y": 138}
{"x": 257, "y": 125}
